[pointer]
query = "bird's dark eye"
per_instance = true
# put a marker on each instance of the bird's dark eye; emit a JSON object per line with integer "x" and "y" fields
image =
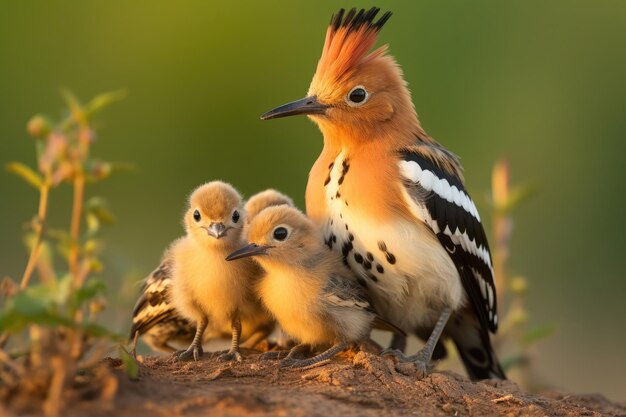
{"x": 357, "y": 96}
{"x": 196, "y": 215}
{"x": 235, "y": 216}
{"x": 280, "y": 233}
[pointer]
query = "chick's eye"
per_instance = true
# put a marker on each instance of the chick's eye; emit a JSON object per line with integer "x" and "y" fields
{"x": 196, "y": 215}
{"x": 235, "y": 216}
{"x": 357, "y": 96}
{"x": 280, "y": 233}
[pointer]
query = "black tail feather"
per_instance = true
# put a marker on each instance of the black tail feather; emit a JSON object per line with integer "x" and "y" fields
{"x": 474, "y": 347}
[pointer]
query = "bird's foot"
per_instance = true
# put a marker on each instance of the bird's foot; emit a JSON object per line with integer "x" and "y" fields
{"x": 230, "y": 355}
{"x": 410, "y": 364}
{"x": 194, "y": 352}
{"x": 302, "y": 364}
{"x": 396, "y": 353}
{"x": 274, "y": 355}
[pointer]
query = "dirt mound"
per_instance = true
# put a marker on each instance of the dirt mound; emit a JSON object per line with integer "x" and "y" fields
{"x": 355, "y": 384}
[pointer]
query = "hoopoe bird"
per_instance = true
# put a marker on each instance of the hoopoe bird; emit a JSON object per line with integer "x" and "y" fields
{"x": 313, "y": 296}
{"x": 159, "y": 323}
{"x": 392, "y": 200}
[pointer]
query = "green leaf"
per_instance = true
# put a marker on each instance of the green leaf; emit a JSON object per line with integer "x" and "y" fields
{"x": 514, "y": 361}
{"x": 63, "y": 241}
{"x": 53, "y": 293}
{"x": 536, "y": 334}
{"x": 99, "y": 331}
{"x": 70, "y": 99}
{"x": 26, "y": 173}
{"x": 103, "y": 100}
{"x": 89, "y": 290}
{"x": 93, "y": 224}
{"x": 98, "y": 207}
{"x": 23, "y": 309}
{"x": 129, "y": 363}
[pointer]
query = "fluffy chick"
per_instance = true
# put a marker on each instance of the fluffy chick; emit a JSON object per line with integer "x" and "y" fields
{"x": 163, "y": 328}
{"x": 263, "y": 200}
{"x": 307, "y": 288}
{"x": 205, "y": 288}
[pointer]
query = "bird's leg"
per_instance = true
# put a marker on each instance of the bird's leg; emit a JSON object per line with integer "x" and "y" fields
{"x": 195, "y": 349}
{"x": 287, "y": 354}
{"x": 318, "y": 360}
{"x": 422, "y": 358}
{"x": 233, "y": 353}
{"x": 398, "y": 342}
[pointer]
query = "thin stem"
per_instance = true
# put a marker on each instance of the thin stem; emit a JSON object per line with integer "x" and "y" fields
{"x": 77, "y": 210}
{"x": 501, "y": 226}
{"x": 35, "y": 251}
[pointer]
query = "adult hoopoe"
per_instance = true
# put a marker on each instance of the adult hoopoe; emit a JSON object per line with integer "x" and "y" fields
{"x": 161, "y": 325}
{"x": 392, "y": 200}
{"x": 314, "y": 297}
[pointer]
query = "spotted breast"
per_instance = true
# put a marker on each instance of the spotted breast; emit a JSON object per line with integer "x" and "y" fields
{"x": 397, "y": 259}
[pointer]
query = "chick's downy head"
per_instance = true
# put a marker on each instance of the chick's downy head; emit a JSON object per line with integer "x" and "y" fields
{"x": 281, "y": 234}
{"x": 215, "y": 214}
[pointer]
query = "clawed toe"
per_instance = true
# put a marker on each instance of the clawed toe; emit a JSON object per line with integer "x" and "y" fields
{"x": 419, "y": 364}
{"x": 274, "y": 355}
{"x": 302, "y": 364}
{"x": 391, "y": 352}
{"x": 289, "y": 363}
{"x": 231, "y": 355}
{"x": 397, "y": 354}
{"x": 194, "y": 352}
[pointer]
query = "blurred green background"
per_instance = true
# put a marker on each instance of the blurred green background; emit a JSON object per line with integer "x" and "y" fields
{"x": 543, "y": 83}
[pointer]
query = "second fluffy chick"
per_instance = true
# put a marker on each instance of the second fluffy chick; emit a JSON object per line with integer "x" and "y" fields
{"x": 307, "y": 288}
{"x": 205, "y": 288}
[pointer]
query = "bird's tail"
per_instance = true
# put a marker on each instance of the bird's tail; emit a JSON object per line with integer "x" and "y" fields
{"x": 472, "y": 342}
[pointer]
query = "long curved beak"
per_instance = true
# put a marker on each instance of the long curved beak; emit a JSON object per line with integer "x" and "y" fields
{"x": 307, "y": 105}
{"x": 249, "y": 250}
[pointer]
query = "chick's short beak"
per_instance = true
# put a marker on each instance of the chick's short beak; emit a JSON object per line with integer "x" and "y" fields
{"x": 307, "y": 105}
{"x": 249, "y": 250}
{"x": 217, "y": 230}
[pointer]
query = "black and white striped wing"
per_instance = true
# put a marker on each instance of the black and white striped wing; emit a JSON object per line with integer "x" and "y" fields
{"x": 153, "y": 306}
{"x": 439, "y": 199}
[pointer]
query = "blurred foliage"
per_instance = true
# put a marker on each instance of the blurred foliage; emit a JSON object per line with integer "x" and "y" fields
{"x": 60, "y": 311}
{"x": 516, "y": 337}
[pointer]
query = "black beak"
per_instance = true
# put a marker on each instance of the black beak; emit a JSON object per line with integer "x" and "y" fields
{"x": 307, "y": 105}
{"x": 249, "y": 250}
{"x": 217, "y": 230}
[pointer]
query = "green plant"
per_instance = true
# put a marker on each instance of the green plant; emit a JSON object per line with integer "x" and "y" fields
{"x": 515, "y": 336}
{"x": 64, "y": 343}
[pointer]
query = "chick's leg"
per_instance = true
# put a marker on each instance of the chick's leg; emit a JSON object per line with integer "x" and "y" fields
{"x": 422, "y": 359}
{"x": 319, "y": 360}
{"x": 195, "y": 349}
{"x": 295, "y": 351}
{"x": 233, "y": 353}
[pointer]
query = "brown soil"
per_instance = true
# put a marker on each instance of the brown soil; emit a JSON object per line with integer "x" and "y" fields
{"x": 355, "y": 384}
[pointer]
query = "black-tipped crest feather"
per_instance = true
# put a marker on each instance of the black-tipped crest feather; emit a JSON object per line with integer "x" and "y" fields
{"x": 354, "y": 21}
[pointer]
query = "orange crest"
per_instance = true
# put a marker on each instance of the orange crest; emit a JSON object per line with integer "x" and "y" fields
{"x": 348, "y": 41}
